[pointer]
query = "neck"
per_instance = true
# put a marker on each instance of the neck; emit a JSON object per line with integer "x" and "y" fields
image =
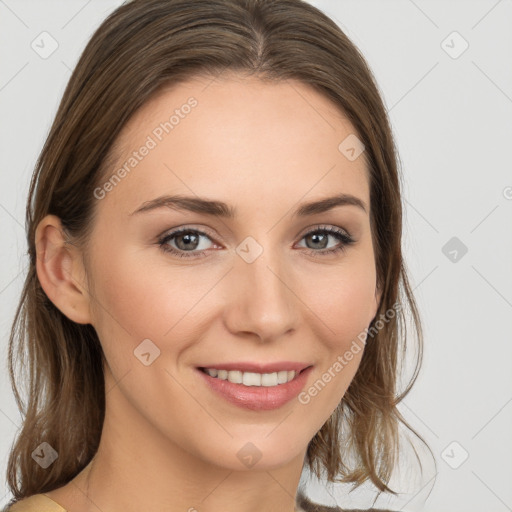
{"x": 137, "y": 468}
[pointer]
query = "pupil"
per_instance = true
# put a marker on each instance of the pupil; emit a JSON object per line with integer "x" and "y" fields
{"x": 188, "y": 239}
{"x": 315, "y": 239}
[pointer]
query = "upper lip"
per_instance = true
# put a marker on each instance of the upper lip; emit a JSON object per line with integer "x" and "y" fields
{"x": 259, "y": 367}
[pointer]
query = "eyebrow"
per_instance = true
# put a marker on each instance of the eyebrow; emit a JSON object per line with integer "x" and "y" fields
{"x": 223, "y": 210}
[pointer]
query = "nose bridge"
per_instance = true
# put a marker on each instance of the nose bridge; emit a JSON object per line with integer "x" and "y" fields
{"x": 264, "y": 302}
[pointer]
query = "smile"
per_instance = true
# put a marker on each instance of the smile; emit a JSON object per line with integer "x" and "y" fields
{"x": 252, "y": 378}
{"x": 253, "y": 390}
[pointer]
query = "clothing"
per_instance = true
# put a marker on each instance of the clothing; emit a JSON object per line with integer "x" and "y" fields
{"x": 36, "y": 503}
{"x": 304, "y": 504}
{"x": 42, "y": 503}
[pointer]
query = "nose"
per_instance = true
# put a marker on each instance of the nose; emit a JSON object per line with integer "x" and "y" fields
{"x": 261, "y": 303}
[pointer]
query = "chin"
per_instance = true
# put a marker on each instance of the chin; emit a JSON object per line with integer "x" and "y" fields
{"x": 259, "y": 453}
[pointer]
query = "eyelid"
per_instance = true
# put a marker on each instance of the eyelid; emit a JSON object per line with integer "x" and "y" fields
{"x": 192, "y": 227}
{"x": 215, "y": 236}
{"x": 320, "y": 227}
{"x": 343, "y": 236}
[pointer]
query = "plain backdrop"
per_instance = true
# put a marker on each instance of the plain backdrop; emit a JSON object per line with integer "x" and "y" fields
{"x": 445, "y": 73}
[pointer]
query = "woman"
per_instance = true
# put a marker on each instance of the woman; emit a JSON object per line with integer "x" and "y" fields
{"x": 215, "y": 296}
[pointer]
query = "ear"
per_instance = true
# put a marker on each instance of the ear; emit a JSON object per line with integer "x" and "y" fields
{"x": 60, "y": 270}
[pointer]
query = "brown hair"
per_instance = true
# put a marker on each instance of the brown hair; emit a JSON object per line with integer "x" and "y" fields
{"x": 142, "y": 47}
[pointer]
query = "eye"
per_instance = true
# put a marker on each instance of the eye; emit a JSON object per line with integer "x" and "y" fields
{"x": 187, "y": 241}
{"x": 187, "y": 238}
{"x": 320, "y": 237}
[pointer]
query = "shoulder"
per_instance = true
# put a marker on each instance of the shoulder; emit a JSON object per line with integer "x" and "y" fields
{"x": 304, "y": 504}
{"x": 35, "y": 503}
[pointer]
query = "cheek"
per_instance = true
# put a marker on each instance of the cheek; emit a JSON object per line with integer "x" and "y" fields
{"x": 344, "y": 304}
{"x": 140, "y": 298}
{"x": 344, "y": 301}
{"x": 128, "y": 302}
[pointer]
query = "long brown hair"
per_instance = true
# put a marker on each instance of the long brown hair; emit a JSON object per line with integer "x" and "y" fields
{"x": 142, "y": 47}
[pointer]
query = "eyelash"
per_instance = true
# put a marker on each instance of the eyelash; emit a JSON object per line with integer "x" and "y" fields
{"x": 345, "y": 239}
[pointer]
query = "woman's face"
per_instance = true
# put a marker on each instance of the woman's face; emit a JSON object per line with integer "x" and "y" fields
{"x": 259, "y": 287}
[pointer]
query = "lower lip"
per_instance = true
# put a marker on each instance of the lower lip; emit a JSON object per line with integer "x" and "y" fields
{"x": 258, "y": 398}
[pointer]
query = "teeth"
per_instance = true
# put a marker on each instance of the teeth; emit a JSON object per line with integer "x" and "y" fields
{"x": 269, "y": 379}
{"x": 235, "y": 377}
{"x": 251, "y": 378}
{"x": 282, "y": 377}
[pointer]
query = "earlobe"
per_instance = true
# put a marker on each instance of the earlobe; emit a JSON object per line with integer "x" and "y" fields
{"x": 60, "y": 270}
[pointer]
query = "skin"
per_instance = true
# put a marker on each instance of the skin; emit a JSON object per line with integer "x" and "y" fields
{"x": 168, "y": 442}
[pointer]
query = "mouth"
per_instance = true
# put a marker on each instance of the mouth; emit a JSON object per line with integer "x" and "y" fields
{"x": 257, "y": 391}
{"x": 259, "y": 379}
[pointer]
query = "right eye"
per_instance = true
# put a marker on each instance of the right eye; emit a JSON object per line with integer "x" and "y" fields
{"x": 188, "y": 238}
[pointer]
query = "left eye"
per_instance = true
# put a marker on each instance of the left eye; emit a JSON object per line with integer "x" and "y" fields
{"x": 187, "y": 240}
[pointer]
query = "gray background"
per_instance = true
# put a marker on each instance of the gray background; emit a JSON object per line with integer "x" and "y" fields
{"x": 451, "y": 115}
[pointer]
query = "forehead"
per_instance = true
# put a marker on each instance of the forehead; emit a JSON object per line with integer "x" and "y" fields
{"x": 226, "y": 137}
